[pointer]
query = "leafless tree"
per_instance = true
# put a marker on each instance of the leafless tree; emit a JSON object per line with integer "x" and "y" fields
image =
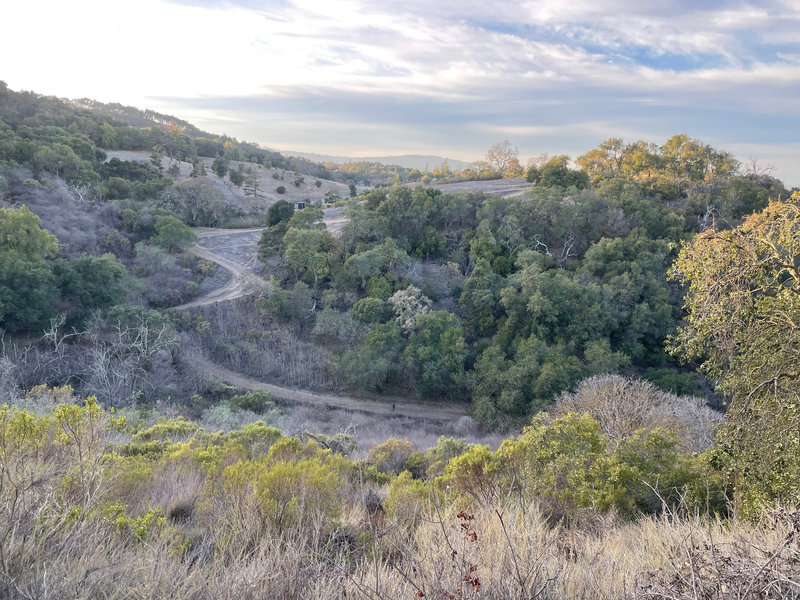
{"x": 501, "y": 155}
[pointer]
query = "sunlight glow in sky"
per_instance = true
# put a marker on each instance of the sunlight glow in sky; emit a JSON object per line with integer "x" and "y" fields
{"x": 367, "y": 77}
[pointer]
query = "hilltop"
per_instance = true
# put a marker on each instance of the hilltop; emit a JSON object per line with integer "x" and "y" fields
{"x": 421, "y": 162}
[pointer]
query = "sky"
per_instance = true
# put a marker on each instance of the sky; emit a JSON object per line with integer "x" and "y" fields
{"x": 369, "y": 77}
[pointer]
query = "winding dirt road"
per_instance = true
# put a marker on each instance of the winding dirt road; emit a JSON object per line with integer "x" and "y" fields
{"x": 242, "y": 282}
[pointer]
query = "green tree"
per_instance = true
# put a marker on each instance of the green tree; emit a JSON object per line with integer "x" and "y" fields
{"x": 364, "y": 265}
{"x": 369, "y": 310}
{"x": 436, "y": 351}
{"x": 237, "y": 176}
{"x": 376, "y": 363}
{"x": 27, "y": 291}
{"x": 20, "y": 232}
{"x": 172, "y": 234}
{"x": 564, "y": 463}
{"x": 27, "y": 284}
{"x": 88, "y": 283}
{"x": 220, "y": 167}
{"x": 310, "y": 217}
{"x": 556, "y": 173}
{"x": 280, "y": 212}
{"x": 61, "y": 160}
{"x": 309, "y": 252}
{"x": 743, "y": 302}
{"x": 479, "y": 297}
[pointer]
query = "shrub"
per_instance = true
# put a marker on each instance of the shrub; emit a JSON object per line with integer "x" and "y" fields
{"x": 280, "y": 189}
{"x": 369, "y": 310}
{"x": 391, "y": 455}
{"x": 256, "y": 401}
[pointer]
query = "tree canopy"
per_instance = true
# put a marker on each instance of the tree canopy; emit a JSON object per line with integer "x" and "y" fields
{"x": 743, "y": 303}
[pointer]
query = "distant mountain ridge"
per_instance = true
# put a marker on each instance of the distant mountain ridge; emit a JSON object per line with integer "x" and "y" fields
{"x": 409, "y": 161}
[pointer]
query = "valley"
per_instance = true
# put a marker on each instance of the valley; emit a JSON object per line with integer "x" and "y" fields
{"x": 229, "y": 373}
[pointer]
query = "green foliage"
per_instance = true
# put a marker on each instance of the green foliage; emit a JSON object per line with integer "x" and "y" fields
{"x": 566, "y": 463}
{"x": 668, "y": 169}
{"x": 278, "y": 306}
{"x": 173, "y": 430}
{"x": 256, "y": 438}
{"x": 256, "y": 401}
{"x": 376, "y": 363}
{"x": 301, "y": 306}
{"x": 379, "y": 287}
{"x": 479, "y": 297}
{"x": 280, "y": 190}
{"x": 556, "y": 173}
{"x": 21, "y": 233}
{"x": 61, "y": 160}
{"x": 742, "y": 301}
{"x": 89, "y": 283}
{"x": 406, "y": 498}
{"x": 391, "y": 455}
{"x": 477, "y": 473}
{"x": 279, "y": 212}
{"x": 369, "y": 310}
{"x": 365, "y": 265}
{"x": 271, "y": 242}
{"x": 310, "y": 217}
{"x": 27, "y": 283}
{"x": 27, "y": 290}
{"x": 220, "y": 167}
{"x": 116, "y": 188}
{"x": 309, "y": 252}
{"x": 236, "y": 177}
{"x": 436, "y": 351}
{"x": 172, "y": 234}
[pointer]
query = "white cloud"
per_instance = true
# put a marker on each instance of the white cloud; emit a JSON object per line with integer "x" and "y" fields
{"x": 503, "y": 62}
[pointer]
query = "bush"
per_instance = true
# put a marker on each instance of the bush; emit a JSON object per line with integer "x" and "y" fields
{"x": 256, "y": 401}
{"x": 369, "y": 310}
{"x": 277, "y": 305}
{"x": 280, "y": 189}
{"x": 172, "y": 234}
{"x": 391, "y": 455}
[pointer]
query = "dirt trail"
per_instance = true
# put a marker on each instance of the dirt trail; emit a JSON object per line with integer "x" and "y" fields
{"x": 242, "y": 282}
{"x": 402, "y": 406}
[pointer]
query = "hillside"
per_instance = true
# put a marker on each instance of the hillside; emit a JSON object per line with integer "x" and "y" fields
{"x": 409, "y": 161}
{"x": 581, "y": 383}
{"x": 260, "y": 186}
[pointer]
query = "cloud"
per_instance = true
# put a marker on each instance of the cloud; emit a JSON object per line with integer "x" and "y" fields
{"x": 356, "y": 76}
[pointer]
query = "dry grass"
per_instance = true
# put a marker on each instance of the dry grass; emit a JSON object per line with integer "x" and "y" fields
{"x": 78, "y": 522}
{"x": 513, "y": 554}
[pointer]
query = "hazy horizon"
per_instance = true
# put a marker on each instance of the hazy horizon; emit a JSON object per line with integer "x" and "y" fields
{"x": 375, "y": 79}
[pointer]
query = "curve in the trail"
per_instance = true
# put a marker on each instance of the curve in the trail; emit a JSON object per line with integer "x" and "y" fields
{"x": 240, "y": 284}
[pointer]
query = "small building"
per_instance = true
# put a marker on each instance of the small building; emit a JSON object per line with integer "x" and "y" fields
{"x": 301, "y": 205}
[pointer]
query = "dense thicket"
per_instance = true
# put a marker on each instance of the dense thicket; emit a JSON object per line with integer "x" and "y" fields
{"x": 509, "y": 301}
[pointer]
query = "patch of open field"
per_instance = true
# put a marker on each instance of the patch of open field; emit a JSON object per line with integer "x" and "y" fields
{"x": 513, "y": 186}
